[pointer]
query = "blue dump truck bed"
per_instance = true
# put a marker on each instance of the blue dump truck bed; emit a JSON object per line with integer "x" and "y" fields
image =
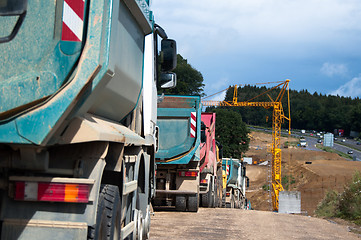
{"x": 49, "y": 76}
{"x": 231, "y": 167}
{"x": 177, "y": 159}
{"x": 179, "y": 120}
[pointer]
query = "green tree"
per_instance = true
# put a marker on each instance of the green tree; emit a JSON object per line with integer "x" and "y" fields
{"x": 231, "y": 132}
{"x": 349, "y": 204}
{"x": 189, "y": 80}
{"x": 346, "y": 205}
{"x": 308, "y": 111}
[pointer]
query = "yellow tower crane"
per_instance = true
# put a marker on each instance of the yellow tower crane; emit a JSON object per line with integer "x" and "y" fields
{"x": 278, "y": 119}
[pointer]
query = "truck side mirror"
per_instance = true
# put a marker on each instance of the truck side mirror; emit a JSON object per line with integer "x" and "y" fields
{"x": 247, "y": 182}
{"x": 167, "y": 80}
{"x": 13, "y": 8}
{"x": 168, "y": 55}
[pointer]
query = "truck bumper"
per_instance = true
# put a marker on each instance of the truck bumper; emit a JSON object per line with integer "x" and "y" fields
{"x": 35, "y": 229}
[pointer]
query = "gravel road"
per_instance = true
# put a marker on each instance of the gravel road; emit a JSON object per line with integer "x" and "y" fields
{"x": 221, "y": 223}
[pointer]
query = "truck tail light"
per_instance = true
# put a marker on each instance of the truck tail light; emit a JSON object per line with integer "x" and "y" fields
{"x": 188, "y": 173}
{"x": 52, "y": 192}
{"x": 204, "y": 181}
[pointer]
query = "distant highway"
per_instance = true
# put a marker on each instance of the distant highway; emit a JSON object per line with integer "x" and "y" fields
{"x": 311, "y": 144}
{"x": 311, "y": 141}
{"x": 344, "y": 147}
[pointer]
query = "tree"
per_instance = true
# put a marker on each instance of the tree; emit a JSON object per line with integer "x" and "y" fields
{"x": 189, "y": 80}
{"x": 231, "y": 132}
{"x": 308, "y": 111}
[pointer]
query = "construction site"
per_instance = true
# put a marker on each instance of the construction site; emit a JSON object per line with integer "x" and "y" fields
{"x": 284, "y": 175}
{"x": 312, "y": 173}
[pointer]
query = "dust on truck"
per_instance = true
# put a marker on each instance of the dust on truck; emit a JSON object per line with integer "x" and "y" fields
{"x": 178, "y": 156}
{"x": 78, "y": 127}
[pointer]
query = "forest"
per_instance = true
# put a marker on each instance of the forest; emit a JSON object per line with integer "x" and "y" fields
{"x": 308, "y": 111}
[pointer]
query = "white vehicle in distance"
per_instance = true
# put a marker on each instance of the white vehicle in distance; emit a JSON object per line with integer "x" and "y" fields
{"x": 303, "y": 142}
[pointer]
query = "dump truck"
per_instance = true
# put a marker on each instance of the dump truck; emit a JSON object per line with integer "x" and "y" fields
{"x": 178, "y": 156}
{"x": 237, "y": 182}
{"x": 208, "y": 162}
{"x": 78, "y": 131}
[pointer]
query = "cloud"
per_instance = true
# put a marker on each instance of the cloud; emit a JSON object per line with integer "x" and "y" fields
{"x": 259, "y": 23}
{"x": 349, "y": 89}
{"x": 330, "y": 69}
{"x": 219, "y": 85}
{"x": 219, "y": 97}
{"x": 266, "y": 39}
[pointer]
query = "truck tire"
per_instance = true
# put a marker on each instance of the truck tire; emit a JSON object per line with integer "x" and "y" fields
{"x": 207, "y": 198}
{"x": 243, "y": 203}
{"x": 147, "y": 222}
{"x": 108, "y": 219}
{"x": 139, "y": 234}
{"x": 180, "y": 203}
{"x": 223, "y": 198}
{"x": 214, "y": 196}
{"x": 232, "y": 203}
{"x": 236, "y": 199}
{"x": 204, "y": 200}
{"x": 193, "y": 203}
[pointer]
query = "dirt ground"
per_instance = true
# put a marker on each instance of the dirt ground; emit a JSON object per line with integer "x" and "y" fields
{"x": 226, "y": 223}
{"x": 327, "y": 171}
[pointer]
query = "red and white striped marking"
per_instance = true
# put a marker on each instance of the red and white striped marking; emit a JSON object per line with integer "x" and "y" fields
{"x": 193, "y": 124}
{"x": 227, "y": 170}
{"x": 73, "y": 17}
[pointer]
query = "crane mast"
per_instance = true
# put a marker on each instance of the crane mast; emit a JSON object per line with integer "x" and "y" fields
{"x": 277, "y": 120}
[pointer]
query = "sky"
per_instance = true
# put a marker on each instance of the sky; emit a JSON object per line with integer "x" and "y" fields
{"x": 314, "y": 43}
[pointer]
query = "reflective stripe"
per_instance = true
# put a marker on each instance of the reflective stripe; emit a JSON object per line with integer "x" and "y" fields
{"x": 193, "y": 124}
{"x": 73, "y": 16}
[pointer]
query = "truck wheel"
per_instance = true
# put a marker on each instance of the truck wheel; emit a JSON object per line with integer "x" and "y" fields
{"x": 224, "y": 198}
{"x": 211, "y": 195}
{"x": 193, "y": 203}
{"x": 138, "y": 233}
{"x": 242, "y": 205}
{"x": 215, "y": 196}
{"x": 218, "y": 195}
{"x": 147, "y": 222}
{"x": 207, "y": 198}
{"x": 236, "y": 199}
{"x": 108, "y": 225}
{"x": 219, "y": 184}
{"x": 232, "y": 200}
{"x": 180, "y": 203}
{"x": 204, "y": 199}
